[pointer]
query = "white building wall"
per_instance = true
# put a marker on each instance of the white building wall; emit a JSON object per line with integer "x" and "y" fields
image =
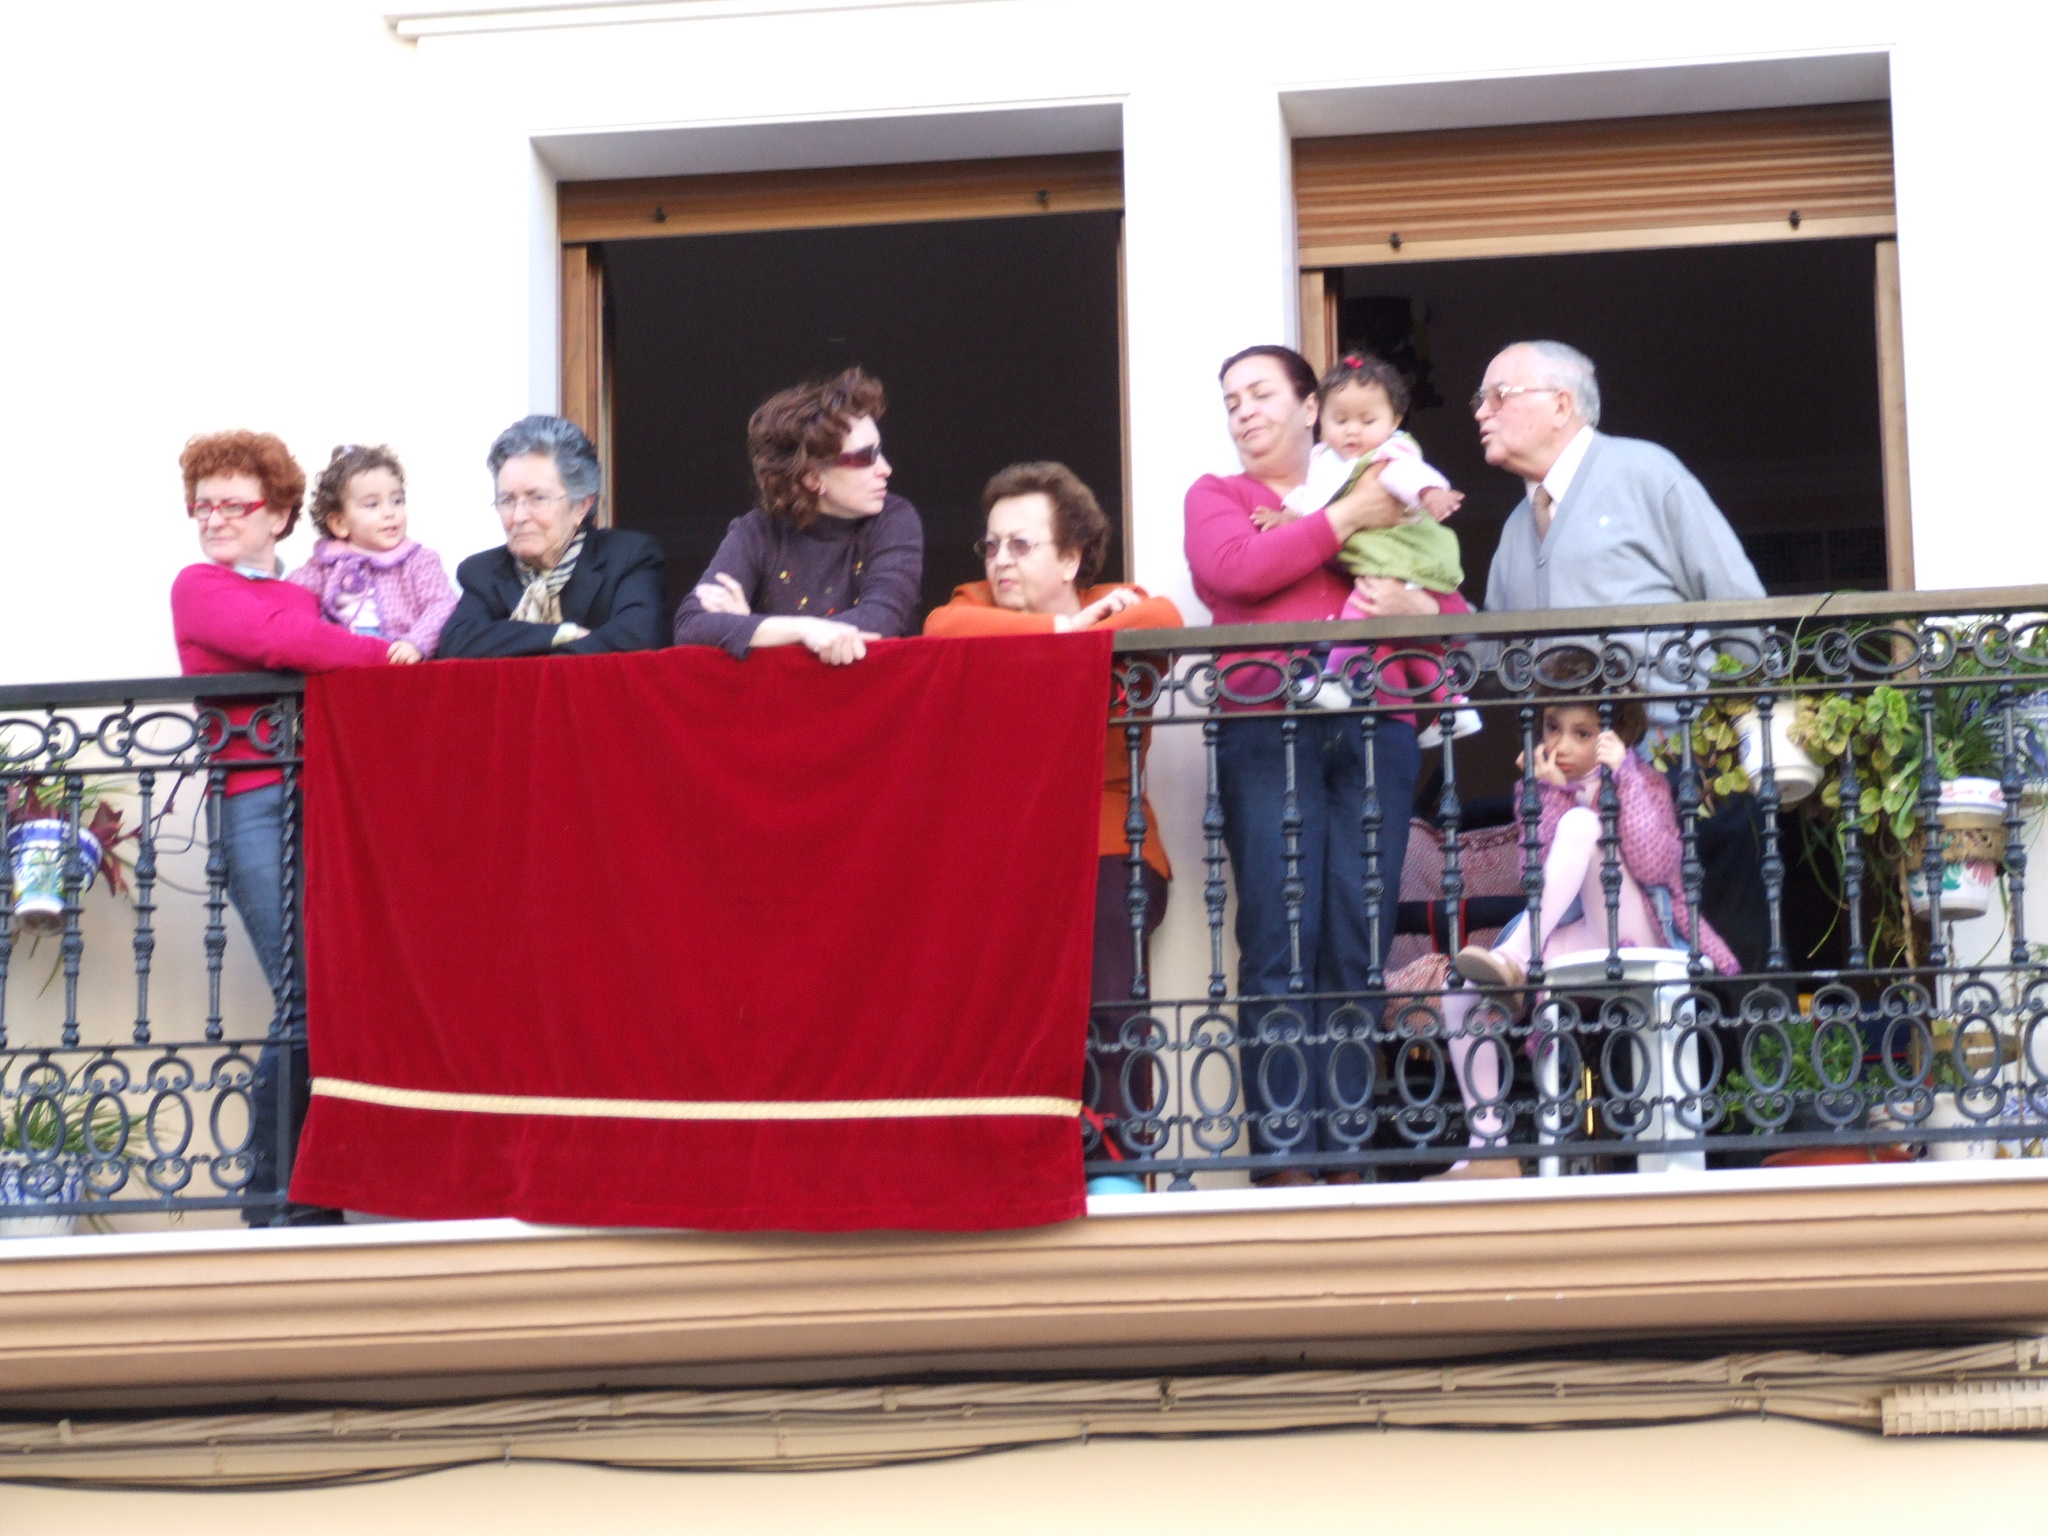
{"x": 234, "y": 212}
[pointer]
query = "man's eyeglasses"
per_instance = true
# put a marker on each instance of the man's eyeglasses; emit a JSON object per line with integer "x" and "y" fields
{"x": 1016, "y": 544}
{"x": 859, "y": 458}
{"x": 233, "y": 511}
{"x": 532, "y": 501}
{"x": 1497, "y": 395}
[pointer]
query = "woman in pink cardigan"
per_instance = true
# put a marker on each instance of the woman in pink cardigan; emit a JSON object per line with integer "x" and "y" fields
{"x": 232, "y": 614}
{"x": 1324, "y": 940}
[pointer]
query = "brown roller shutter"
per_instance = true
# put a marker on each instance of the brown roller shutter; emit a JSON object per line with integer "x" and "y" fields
{"x": 1625, "y": 183}
{"x": 839, "y": 196}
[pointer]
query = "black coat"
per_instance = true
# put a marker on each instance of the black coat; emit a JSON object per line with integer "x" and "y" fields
{"x": 615, "y": 592}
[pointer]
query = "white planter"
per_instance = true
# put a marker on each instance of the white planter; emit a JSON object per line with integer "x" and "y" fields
{"x": 1946, "y": 1115}
{"x": 12, "y": 1198}
{"x": 1978, "y": 803}
{"x": 1795, "y": 774}
{"x": 36, "y": 849}
{"x": 1967, "y": 889}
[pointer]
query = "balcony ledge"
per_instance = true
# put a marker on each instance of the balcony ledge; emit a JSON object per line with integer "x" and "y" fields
{"x": 1217, "y": 1278}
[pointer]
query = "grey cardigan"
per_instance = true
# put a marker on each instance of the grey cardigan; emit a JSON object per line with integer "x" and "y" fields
{"x": 1634, "y": 527}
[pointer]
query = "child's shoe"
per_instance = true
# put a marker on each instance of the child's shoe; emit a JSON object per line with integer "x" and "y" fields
{"x": 1490, "y": 967}
{"x": 1464, "y": 722}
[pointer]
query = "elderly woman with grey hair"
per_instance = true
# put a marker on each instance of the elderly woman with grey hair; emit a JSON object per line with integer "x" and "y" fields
{"x": 560, "y": 584}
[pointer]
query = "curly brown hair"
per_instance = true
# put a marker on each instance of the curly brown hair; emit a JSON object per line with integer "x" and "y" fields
{"x": 257, "y": 454}
{"x": 798, "y": 432}
{"x": 1078, "y": 524}
{"x": 343, "y": 465}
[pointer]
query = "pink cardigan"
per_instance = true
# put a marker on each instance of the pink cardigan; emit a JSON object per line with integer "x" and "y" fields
{"x": 1282, "y": 576}
{"x": 228, "y": 622}
{"x": 414, "y": 597}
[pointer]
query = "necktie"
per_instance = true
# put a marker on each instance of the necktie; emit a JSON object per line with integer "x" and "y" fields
{"x": 1541, "y": 499}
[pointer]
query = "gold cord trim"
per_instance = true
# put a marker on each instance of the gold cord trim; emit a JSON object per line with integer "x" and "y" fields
{"x": 694, "y": 1109}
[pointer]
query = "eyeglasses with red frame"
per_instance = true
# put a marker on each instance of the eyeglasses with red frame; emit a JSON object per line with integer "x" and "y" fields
{"x": 233, "y": 511}
{"x": 859, "y": 458}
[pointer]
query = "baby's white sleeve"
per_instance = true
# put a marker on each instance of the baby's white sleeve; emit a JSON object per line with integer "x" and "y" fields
{"x": 1407, "y": 474}
{"x": 1327, "y": 472}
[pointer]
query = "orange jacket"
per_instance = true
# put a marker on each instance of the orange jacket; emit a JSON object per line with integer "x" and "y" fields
{"x": 973, "y": 612}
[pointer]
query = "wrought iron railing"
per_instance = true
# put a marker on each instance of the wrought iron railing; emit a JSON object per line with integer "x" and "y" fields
{"x": 1852, "y": 1027}
{"x": 189, "y": 1106}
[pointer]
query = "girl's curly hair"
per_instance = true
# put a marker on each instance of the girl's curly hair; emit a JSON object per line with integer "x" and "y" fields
{"x": 256, "y": 454}
{"x": 343, "y": 465}
{"x": 799, "y": 432}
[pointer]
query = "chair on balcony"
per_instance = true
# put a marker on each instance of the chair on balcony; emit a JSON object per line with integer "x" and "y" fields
{"x": 1654, "y": 986}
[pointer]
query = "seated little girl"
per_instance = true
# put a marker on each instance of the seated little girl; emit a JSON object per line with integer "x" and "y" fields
{"x": 369, "y": 576}
{"x": 1653, "y": 911}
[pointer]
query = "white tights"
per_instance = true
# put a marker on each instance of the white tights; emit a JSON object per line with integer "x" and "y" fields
{"x": 1570, "y": 870}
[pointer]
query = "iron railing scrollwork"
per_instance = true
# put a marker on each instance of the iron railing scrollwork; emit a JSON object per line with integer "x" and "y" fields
{"x": 1853, "y": 1029}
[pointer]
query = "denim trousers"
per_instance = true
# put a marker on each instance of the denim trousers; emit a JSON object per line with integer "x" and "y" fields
{"x": 1304, "y": 1097}
{"x": 252, "y": 838}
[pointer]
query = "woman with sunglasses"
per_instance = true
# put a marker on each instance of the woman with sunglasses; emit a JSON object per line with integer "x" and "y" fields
{"x": 1043, "y": 550}
{"x": 230, "y": 613}
{"x": 829, "y": 560}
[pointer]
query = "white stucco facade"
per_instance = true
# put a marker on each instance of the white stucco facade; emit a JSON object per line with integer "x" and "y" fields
{"x": 338, "y": 226}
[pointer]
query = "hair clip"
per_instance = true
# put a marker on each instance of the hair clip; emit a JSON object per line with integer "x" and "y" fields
{"x": 1352, "y": 360}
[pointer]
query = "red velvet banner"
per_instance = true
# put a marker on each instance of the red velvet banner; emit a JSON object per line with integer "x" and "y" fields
{"x": 673, "y": 940}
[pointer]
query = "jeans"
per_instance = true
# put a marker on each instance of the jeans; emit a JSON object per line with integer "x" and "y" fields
{"x": 252, "y": 839}
{"x": 1306, "y": 1097}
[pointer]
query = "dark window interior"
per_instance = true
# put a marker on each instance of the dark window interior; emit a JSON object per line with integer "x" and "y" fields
{"x": 996, "y": 338}
{"x": 1755, "y": 364}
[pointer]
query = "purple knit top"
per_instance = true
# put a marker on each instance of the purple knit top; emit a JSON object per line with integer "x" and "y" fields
{"x": 863, "y": 571}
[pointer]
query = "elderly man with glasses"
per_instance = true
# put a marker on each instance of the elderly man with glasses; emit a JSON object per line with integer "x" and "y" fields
{"x": 1607, "y": 521}
{"x": 1610, "y": 522}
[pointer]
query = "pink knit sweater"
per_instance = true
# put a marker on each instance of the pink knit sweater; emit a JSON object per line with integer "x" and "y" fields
{"x": 1650, "y": 852}
{"x": 414, "y": 596}
{"x": 228, "y": 622}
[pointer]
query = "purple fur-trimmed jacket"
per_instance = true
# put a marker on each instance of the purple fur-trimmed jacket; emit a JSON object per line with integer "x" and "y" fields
{"x": 413, "y": 594}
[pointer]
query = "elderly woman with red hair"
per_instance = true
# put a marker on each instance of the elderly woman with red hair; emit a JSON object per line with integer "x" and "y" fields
{"x": 232, "y": 614}
{"x": 829, "y": 560}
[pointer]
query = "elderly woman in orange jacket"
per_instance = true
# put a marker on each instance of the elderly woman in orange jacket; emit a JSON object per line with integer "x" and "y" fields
{"x": 1044, "y": 547}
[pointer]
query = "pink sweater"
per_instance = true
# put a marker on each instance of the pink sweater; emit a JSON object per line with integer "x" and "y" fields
{"x": 414, "y": 597}
{"x": 1284, "y": 575}
{"x": 1648, "y": 832}
{"x": 228, "y": 622}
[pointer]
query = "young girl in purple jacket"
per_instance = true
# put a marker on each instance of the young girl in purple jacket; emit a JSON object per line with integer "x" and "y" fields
{"x": 369, "y": 576}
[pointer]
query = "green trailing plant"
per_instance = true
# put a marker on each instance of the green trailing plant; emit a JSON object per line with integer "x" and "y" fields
{"x": 1839, "y": 1051}
{"x": 33, "y": 1128}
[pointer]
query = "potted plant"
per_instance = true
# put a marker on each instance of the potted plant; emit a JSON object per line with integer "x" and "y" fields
{"x": 33, "y": 1169}
{"x": 38, "y": 828}
{"x": 1728, "y": 743}
{"x": 1885, "y": 730}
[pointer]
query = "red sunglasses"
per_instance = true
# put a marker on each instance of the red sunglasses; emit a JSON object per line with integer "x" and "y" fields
{"x": 859, "y": 458}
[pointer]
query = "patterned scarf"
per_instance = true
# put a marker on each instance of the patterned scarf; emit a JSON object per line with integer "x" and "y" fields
{"x": 541, "y": 602}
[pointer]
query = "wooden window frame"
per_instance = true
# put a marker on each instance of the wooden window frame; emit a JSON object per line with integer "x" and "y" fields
{"x": 1730, "y": 178}
{"x": 591, "y": 213}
